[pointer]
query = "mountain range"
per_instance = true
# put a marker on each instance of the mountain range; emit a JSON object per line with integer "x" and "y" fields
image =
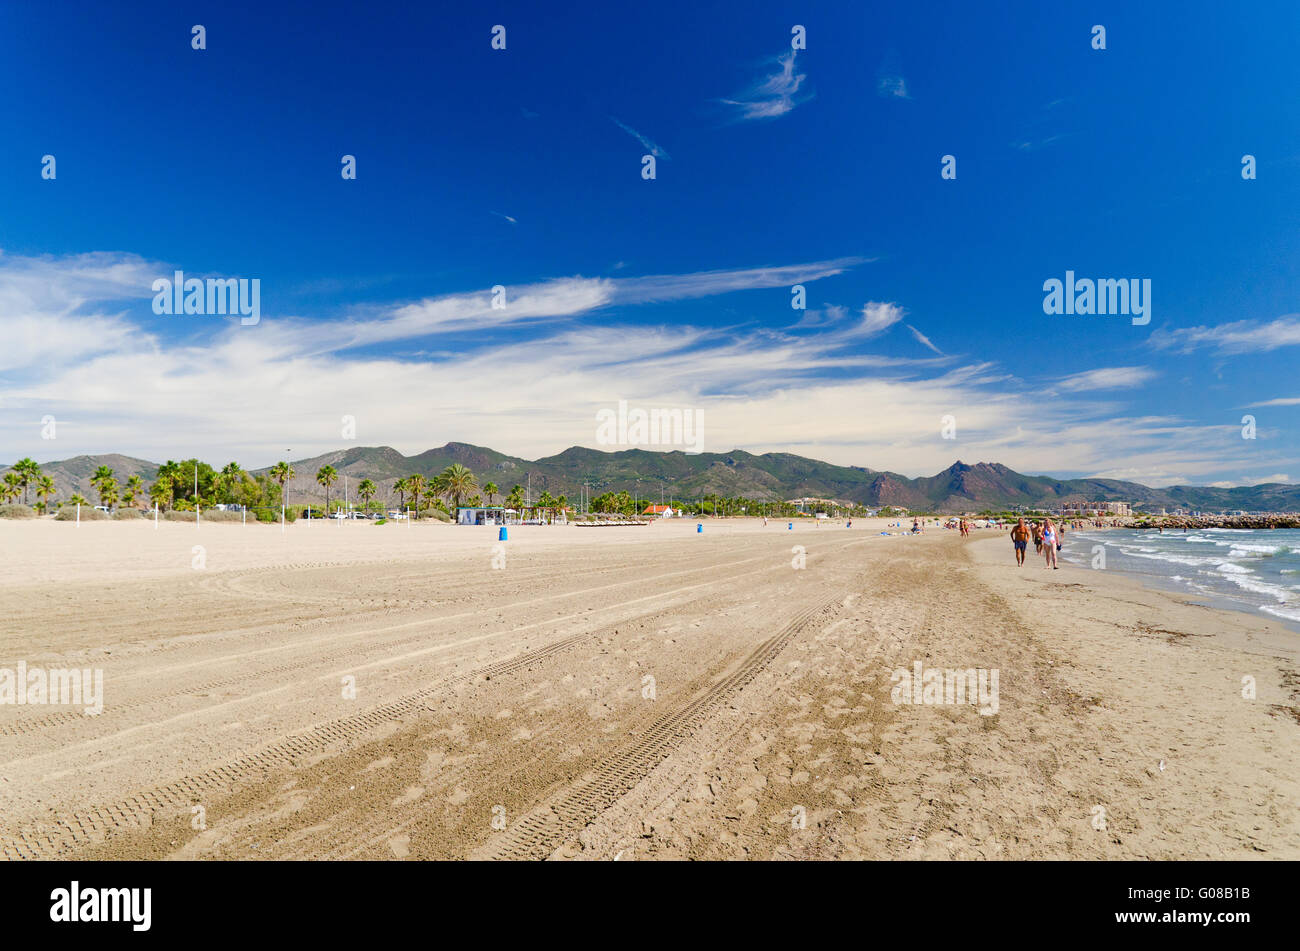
{"x": 774, "y": 475}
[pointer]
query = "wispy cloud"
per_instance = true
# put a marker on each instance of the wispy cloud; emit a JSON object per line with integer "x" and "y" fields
{"x": 148, "y": 390}
{"x": 1241, "y": 336}
{"x": 646, "y": 144}
{"x": 1281, "y": 401}
{"x": 1033, "y": 145}
{"x": 775, "y": 94}
{"x": 663, "y": 287}
{"x": 513, "y": 221}
{"x": 878, "y": 317}
{"x": 1106, "y": 378}
{"x": 923, "y": 339}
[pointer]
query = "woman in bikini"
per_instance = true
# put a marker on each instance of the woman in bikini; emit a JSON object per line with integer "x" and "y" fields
{"x": 1050, "y": 541}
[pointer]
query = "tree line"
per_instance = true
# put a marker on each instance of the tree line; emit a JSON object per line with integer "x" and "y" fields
{"x": 190, "y": 483}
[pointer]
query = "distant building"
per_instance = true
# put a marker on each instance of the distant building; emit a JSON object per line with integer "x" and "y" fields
{"x": 1083, "y": 509}
{"x": 818, "y": 505}
{"x": 659, "y": 511}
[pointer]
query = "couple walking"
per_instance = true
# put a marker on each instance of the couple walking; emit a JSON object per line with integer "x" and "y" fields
{"x": 1047, "y": 540}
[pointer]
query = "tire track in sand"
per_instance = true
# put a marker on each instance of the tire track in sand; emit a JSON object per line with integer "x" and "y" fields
{"x": 542, "y": 831}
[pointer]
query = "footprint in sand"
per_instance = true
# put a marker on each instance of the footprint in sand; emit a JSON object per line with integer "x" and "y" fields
{"x": 505, "y": 714}
{"x": 459, "y": 797}
{"x": 400, "y": 845}
{"x": 411, "y": 794}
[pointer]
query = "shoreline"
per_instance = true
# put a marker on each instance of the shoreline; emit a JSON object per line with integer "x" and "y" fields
{"x": 1155, "y": 581}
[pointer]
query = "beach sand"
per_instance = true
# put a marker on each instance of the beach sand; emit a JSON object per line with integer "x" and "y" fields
{"x": 629, "y": 693}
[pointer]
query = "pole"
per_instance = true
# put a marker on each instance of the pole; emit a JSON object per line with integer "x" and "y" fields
{"x": 155, "y": 516}
{"x": 196, "y": 492}
{"x": 284, "y": 489}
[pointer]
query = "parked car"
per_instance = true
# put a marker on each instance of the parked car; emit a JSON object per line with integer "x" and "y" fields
{"x": 311, "y": 513}
{"x": 103, "y": 508}
{"x": 397, "y": 515}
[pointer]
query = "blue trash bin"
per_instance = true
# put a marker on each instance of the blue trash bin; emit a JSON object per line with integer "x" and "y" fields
{"x": 501, "y": 535}
{"x": 789, "y": 527}
{"x": 699, "y": 527}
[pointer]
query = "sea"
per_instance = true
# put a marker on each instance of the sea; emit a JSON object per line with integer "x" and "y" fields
{"x": 1254, "y": 570}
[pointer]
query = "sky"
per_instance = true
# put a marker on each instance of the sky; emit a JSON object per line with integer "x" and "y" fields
{"x": 923, "y": 339}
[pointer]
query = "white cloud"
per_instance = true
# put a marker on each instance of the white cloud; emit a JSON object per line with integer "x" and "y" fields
{"x": 878, "y": 317}
{"x": 232, "y": 392}
{"x": 1241, "y": 336}
{"x": 1281, "y": 401}
{"x": 646, "y": 144}
{"x": 775, "y": 94}
{"x": 1106, "y": 378}
{"x": 923, "y": 339}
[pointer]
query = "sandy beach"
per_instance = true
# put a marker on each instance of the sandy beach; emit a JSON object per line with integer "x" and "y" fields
{"x": 630, "y": 693}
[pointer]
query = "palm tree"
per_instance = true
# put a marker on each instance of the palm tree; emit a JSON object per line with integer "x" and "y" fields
{"x": 456, "y": 482}
{"x": 282, "y": 472}
{"x": 13, "y": 486}
{"x": 161, "y": 492}
{"x": 230, "y": 473}
{"x": 133, "y": 487}
{"x": 400, "y": 488}
{"x": 415, "y": 484}
{"x": 545, "y": 501}
{"x": 28, "y": 472}
{"x": 326, "y": 476}
{"x": 44, "y": 489}
{"x": 100, "y": 477}
{"x": 164, "y": 489}
{"x": 515, "y": 500}
{"x": 366, "y": 489}
{"x": 103, "y": 481}
{"x": 77, "y": 499}
{"x": 491, "y": 490}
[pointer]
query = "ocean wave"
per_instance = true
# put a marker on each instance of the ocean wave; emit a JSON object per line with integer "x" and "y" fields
{"x": 1273, "y": 591}
{"x": 1191, "y": 560}
{"x": 1245, "y": 551}
{"x": 1229, "y": 567}
{"x": 1291, "y": 614}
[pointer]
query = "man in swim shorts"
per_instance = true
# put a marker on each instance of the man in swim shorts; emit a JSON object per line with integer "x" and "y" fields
{"x": 1020, "y": 539}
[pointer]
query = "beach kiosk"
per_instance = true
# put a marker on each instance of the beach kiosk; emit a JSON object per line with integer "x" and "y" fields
{"x": 481, "y": 515}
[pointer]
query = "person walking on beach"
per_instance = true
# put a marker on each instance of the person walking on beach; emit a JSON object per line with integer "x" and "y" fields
{"x": 1020, "y": 539}
{"x": 1050, "y": 545}
{"x": 1038, "y": 538}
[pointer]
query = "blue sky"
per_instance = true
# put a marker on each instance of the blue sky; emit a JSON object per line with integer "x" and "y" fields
{"x": 522, "y": 167}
